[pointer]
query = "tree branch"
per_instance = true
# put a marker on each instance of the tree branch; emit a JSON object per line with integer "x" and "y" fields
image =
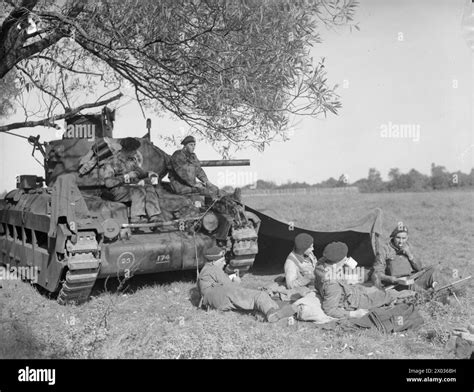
{"x": 48, "y": 122}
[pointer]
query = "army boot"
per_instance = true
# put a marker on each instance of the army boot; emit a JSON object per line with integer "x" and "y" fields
{"x": 277, "y": 314}
{"x": 138, "y": 219}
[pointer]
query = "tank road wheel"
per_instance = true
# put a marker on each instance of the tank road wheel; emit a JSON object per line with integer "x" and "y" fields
{"x": 83, "y": 268}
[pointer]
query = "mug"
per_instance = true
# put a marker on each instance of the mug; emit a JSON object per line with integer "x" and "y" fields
{"x": 351, "y": 263}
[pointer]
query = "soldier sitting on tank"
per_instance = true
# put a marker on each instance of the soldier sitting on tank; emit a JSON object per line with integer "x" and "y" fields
{"x": 122, "y": 173}
{"x": 186, "y": 168}
{"x": 220, "y": 292}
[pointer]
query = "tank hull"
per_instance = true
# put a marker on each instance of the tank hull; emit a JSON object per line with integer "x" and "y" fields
{"x": 70, "y": 267}
{"x": 151, "y": 253}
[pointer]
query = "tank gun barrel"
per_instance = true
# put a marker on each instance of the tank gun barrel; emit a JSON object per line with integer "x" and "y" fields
{"x": 225, "y": 162}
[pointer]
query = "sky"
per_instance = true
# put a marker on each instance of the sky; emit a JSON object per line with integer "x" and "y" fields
{"x": 408, "y": 68}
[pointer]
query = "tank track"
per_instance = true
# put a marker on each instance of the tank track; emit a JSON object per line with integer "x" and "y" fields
{"x": 83, "y": 267}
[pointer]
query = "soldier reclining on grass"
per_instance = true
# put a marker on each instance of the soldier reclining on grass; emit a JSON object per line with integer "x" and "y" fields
{"x": 220, "y": 292}
{"x": 343, "y": 300}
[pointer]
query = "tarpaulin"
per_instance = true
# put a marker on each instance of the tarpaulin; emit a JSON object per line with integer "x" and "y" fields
{"x": 276, "y": 239}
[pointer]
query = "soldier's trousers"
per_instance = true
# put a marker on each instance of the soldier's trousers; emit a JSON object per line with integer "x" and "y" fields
{"x": 182, "y": 189}
{"x": 144, "y": 199}
{"x": 234, "y": 297}
{"x": 368, "y": 298}
{"x": 426, "y": 279}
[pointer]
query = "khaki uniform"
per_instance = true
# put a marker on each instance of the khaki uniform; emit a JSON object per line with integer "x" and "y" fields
{"x": 299, "y": 271}
{"x": 185, "y": 168}
{"x": 338, "y": 298}
{"x": 392, "y": 262}
{"x": 219, "y": 292}
{"x": 144, "y": 198}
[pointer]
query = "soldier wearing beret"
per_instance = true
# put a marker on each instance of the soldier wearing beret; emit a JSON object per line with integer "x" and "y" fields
{"x": 121, "y": 173}
{"x": 395, "y": 260}
{"x": 300, "y": 263}
{"x": 221, "y": 292}
{"x": 340, "y": 299}
{"x": 185, "y": 169}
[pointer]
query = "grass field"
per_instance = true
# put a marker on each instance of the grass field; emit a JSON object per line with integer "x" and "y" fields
{"x": 157, "y": 317}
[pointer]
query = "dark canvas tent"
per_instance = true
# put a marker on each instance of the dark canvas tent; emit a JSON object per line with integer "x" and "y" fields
{"x": 276, "y": 240}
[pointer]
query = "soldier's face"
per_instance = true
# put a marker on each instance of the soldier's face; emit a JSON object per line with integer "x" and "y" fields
{"x": 190, "y": 147}
{"x": 220, "y": 263}
{"x": 400, "y": 240}
{"x": 309, "y": 250}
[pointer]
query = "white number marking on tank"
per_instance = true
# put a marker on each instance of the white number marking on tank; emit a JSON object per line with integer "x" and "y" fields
{"x": 125, "y": 259}
{"x": 163, "y": 259}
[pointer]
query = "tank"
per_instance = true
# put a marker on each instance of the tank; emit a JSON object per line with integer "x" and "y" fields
{"x": 49, "y": 240}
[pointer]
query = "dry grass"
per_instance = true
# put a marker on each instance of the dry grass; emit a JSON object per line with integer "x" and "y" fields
{"x": 157, "y": 316}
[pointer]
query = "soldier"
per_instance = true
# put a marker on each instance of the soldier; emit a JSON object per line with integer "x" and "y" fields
{"x": 220, "y": 292}
{"x": 395, "y": 261}
{"x": 300, "y": 263}
{"x": 185, "y": 168}
{"x": 122, "y": 173}
{"x": 339, "y": 299}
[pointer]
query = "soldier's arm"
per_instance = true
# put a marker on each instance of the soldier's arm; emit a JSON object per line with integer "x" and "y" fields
{"x": 416, "y": 264}
{"x": 380, "y": 266}
{"x": 107, "y": 172}
{"x": 331, "y": 294}
{"x": 179, "y": 164}
{"x": 205, "y": 281}
{"x": 87, "y": 163}
{"x": 200, "y": 174}
{"x": 221, "y": 277}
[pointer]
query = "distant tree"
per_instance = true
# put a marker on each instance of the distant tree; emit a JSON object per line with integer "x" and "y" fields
{"x": 363, "y": 185}
{"x": 418, "y": 181}
{"x": 342, "y": 181}
{"x": 294, "y": 185}
{"x": 440, "y": 177}
{"x": 394, "y": 178}
{"x": 329, "y": 183}
{"x": 471, "y": 177}
{"x": 460, "y": 179}
{"x": 374, "y": 181}
{"x": 261, "y": 184}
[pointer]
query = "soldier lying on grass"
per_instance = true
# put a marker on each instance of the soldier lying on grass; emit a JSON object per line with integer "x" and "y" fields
{"x": 343, "y": 300}
{"x": 220, "y": 292}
